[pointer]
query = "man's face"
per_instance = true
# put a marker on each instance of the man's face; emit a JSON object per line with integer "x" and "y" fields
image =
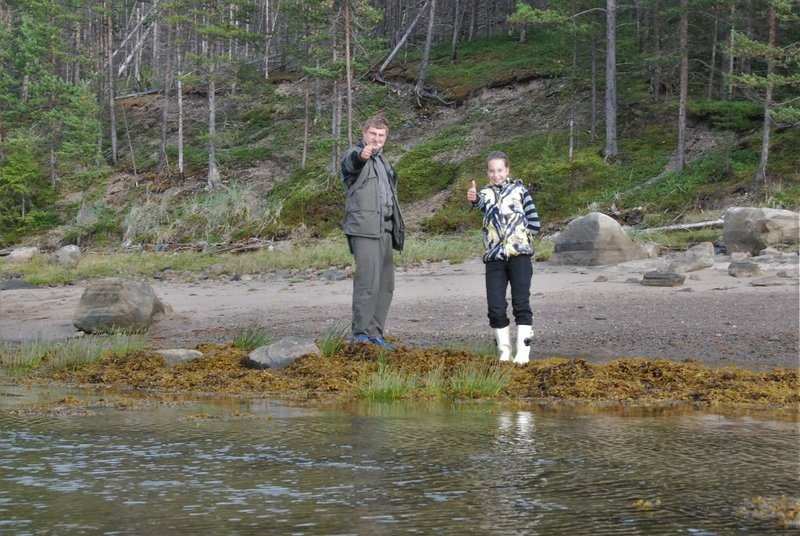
{"x": 375, "y": 136}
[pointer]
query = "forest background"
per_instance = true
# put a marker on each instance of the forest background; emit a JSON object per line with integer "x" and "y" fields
{"x": 184, "y": 122}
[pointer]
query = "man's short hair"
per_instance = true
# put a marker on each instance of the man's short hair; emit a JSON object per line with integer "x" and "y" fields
{"x": 376, "y": 121}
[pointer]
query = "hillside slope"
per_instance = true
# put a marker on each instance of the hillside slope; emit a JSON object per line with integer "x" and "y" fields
{"x": 437, "y": 150}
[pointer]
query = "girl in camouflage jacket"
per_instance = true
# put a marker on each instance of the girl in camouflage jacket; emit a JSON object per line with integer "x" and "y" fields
{"x": 509, "y": 220}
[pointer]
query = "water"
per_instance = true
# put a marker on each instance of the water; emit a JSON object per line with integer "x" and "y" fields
{"x": 267, "y": 467}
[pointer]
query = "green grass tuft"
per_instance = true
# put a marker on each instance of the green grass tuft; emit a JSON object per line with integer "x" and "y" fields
{"x": 481, "y": 380}
{"x": 251, "y": 336}
{"x": 69, "y": 355}
{"x": 333, "y": 338}
{"x": 389, "y": 384}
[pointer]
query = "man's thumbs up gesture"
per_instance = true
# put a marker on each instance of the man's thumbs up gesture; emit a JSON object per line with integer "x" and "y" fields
{"x": 367, "y": 152}
{"x": 472, "y": 193}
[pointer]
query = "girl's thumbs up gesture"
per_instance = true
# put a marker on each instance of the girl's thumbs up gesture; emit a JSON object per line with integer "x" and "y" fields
{"x": 472, "y": 193}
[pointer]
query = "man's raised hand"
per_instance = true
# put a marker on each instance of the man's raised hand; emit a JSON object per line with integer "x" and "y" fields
{"x": 367, "y": 152}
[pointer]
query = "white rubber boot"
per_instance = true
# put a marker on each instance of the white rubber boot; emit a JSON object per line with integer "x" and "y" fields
{"x": 524, "y": 334}
{"x": 503, "y": 338}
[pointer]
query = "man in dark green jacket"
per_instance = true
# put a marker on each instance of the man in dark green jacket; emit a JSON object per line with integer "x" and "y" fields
{"x": 374, "y": 227}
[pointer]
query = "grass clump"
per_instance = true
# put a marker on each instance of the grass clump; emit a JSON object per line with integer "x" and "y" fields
{"x": 389, "y": 384}
{"x": 333, "y": 339}
{"x": 251, "y": 336}
{"x": 70, "y": 355}
{"x": 479, "y": 380}
{"x": 25, "y": 357}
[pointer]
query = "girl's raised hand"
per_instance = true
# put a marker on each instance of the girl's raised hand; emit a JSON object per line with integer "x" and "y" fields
{"x": 472, "y": 193}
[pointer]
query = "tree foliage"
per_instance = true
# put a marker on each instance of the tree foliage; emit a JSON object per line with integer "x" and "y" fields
{"x": 60, "y": 62}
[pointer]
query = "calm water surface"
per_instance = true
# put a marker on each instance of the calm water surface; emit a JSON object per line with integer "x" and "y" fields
{"x": 266, "y": 467}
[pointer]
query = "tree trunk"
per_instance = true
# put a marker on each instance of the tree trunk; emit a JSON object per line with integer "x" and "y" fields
{"x": 655, "y": 81}
{"x": 573, "y": 104}
{"x": 396, "y": 49}
{"x": 179, "y": 92}
{"x": 156, "y": 47}
{"x": 419, "y": 89}
{"x": 593, "y": 106}
{"x": 168, "y": 75}
{"x": 473, "y": 20}
{"x": 456, "y": 31}
{"x": 712, "y": 64}
{"x": 680, "y": 160}
{"x": 269, "y": 28}
{"x": 731, "y": 57}
{"x": 349, "y": 67}
{"x": 306, "y": 122}
{"x": 336, "y": 108}
{"x": 611, "y": 150}
{"x": 761, "y": 174}
{"x": 213, "y": 180}
{"x": 112, "y": 111}
{"x": 53, "y": 162}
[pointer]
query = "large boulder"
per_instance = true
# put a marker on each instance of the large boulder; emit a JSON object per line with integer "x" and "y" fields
{"x": 752, "y": 230}
{"x": 595, "y": 240}
{"x": 69, "y": 254}
{"x": 117, "y": 305}
{"x": 22, "y": 255}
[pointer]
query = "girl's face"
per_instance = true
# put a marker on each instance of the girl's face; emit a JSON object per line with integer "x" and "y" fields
{"x": 497, "y": 170}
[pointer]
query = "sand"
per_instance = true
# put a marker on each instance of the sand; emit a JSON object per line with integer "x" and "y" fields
{"x": 599, "y": 313}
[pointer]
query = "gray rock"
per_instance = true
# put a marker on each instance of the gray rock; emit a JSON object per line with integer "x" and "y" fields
{"x": 652, "y": 249}
{"x": 69, "y": 254}
{"x": 743, "y": 269}
{"x": 663, "y": 279}
{"x": 118, "y": 305}
{"x": 280, "y": 354}
{"x": 695, "y": 258}
{"x": 176, "y": 356}
{"x": 755, "y": 229}
{"x": 334, "y": 274}
{"x": 595, "y": 239}
{"x": 22, "y": 255}
{"x": 15, "y": 284}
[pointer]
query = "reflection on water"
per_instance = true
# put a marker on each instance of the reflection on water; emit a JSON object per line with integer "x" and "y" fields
{"x": 268, "y": 467}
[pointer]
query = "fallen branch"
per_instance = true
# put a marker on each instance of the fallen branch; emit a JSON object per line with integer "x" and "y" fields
{"x": 687, "y": 226}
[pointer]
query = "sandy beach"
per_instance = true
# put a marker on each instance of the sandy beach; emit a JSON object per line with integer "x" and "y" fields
{"x": 599, "y": 313}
